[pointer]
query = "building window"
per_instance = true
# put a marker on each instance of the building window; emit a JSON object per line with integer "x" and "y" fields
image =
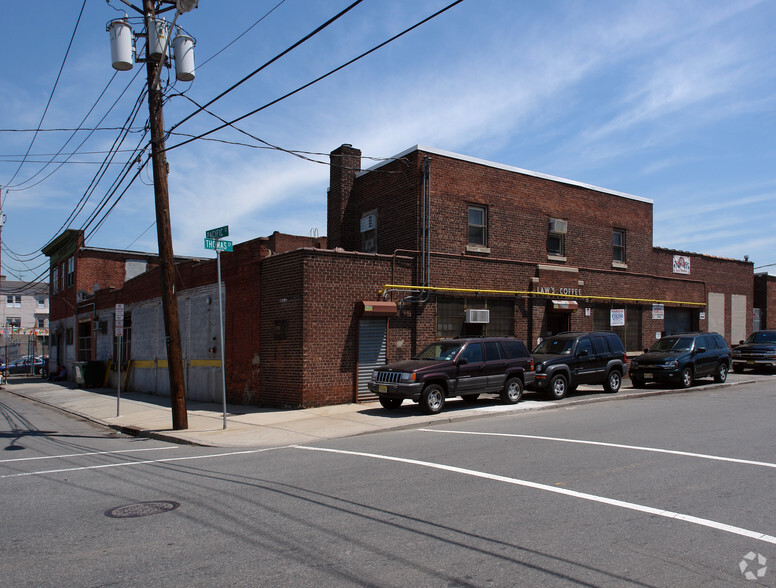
{"x": 630, "y": 334}
{"x": 12, "y": 301}
{"x": 70, "y": 271}
{"x": 85, "y": 341}
{"x": 281, "y": 330}
{"x": 478, "y": 226}
{"x": 54, "y": 280}
{"x": 13, "y": 321}
{"x": 556, "y": 244}
{"x": 450, "y": 317}
{"x": 62, "y": 275}
{"x": 41, "y": 323}
{"x": 369, "y": 232}
{"x": 41, "y": 302}
{"x": 69, "y": 336}
{"x": 618, "y": 241}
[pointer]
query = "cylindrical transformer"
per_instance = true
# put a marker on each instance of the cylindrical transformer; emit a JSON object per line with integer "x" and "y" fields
{"x": 183, "y": 48}
{"x": 157, "y": 38}
{"x": 121, "y": 45}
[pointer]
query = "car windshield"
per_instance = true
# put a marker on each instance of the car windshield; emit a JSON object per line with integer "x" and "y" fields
{"x": 440, "y": 351}
{"x": 555, "y": 346}
{"x": 762, "y": 337}
{"x": 673, "y": 344}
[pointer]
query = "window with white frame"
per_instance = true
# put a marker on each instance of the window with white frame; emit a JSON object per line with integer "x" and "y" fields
{"x": 70, "y": 271}
{"x": 41, "y": 302}
{"x": 13, "y": 301}
{"x": 54, "y": 280}
{"x": 618, "y": 243}
{"x": 478, "y": 225}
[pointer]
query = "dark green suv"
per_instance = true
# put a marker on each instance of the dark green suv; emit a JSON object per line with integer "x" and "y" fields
{"x": 566, "y": 360}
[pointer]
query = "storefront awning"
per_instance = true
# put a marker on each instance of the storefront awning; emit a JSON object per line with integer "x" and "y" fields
{"x": 377, "y": 308}
{"x": 564, "y": 305}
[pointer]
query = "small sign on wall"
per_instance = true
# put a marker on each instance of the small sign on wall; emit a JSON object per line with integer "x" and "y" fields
{"x": 681, "y": 264}
{"x": 658, "y": 312}
{"x": 617, "y": 317}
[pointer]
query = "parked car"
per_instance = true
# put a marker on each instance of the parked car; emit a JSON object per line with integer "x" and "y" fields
{"x": 25, "y": 365}
{"x": 682, "y": 359}
{"x": 566, "y": 360}
{"x": 757, "y": 352}
{"x": 464, "y": 367}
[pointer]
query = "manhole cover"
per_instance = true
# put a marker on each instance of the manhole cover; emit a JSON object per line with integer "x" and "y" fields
{"x": 142, "y": 509}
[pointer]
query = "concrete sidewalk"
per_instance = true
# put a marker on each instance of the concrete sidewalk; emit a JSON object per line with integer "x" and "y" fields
{"x": 147, "y": 415}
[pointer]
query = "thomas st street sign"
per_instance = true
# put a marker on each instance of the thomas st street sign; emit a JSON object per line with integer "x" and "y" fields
{"x": 218, "y": 245}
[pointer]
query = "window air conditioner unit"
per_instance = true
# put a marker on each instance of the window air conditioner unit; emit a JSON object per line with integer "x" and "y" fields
{"x": 476, "y": 315}
{"x": 368, "y": 222}
{"x": 559, "y": 226}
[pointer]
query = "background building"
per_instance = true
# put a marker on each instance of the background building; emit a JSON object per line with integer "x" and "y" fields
{"x": 25, "y": 318}
{"x": 426, "y": 245}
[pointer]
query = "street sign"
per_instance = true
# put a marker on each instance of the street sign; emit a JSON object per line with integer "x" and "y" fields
{"x": 218, "y": 245}
{"x": 119, "y": 320}
{"x": 217, "y": 233}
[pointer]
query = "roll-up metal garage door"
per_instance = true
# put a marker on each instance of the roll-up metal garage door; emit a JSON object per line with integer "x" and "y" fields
{"x": 371, "y": 353}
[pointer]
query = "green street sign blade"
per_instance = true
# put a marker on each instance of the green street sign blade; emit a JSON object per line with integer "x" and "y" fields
{"x": 217, "y": 233}
{"x": 218, "y": 245}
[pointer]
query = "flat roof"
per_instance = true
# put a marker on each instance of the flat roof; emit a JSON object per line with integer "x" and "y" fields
{"x": 510, "y": 168}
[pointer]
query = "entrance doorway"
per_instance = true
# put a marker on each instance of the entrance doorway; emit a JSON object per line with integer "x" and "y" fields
{"x": 557, "y": 322}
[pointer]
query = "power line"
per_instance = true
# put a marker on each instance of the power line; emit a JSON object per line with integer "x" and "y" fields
{"x": 307, "y": 85}
{"x": 51, "y": 95}
{"x": 241, "y": 35}
{"x": 270, "y": 62}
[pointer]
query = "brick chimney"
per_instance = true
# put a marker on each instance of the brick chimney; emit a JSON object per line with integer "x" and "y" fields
{"x": 345, "y": 163}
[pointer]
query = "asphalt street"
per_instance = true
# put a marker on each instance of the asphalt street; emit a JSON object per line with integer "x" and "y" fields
{"x": 671, "y": 490}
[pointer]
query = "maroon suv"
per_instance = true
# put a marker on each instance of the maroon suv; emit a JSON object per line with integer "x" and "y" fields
{"x": 456, "y": 367}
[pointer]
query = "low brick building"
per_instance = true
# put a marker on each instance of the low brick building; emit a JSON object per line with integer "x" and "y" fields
{"x": 425, "y": 245}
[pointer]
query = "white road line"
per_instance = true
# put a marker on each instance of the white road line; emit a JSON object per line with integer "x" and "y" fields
{"x": 764, "y": 464}
{"x": 87, "y": 453}
{"x": 137, "y": 463}
{"x": 573, "y": 493}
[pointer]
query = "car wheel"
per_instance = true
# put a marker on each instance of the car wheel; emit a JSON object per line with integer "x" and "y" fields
{"x": 613, "y": 382}
{"x": 558, "y": 387}
{"x": 470, "y": 397}
{"x": 432, "y": 399}
{"x": 637, "y": 382}
{"x": 721, "y": 374}
{"x": 738, "y": 368}
{"x": 390, "y": 403}
{"x": 513, "y": 391}
{"x": 685, "y": 380}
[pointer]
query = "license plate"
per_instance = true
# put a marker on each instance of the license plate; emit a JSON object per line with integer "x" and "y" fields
{"x": 382, "y": 388}
{"x": 749, "y": 362}
{"x": 648, "y": 376}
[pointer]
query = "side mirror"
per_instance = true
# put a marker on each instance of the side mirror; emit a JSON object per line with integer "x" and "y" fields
{"x": 646, "y": 350}
{"x": 700, "y": 350}
{"x": 461, "y": 361}
{"x": 583, "y": 353}
{"x": 741, "y": 342}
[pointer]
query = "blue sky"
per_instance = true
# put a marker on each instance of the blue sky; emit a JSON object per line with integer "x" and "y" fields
{"x": 671, "y": 101}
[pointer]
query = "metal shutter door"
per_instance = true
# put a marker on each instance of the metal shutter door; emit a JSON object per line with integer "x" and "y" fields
{"x": 371, "y": 353}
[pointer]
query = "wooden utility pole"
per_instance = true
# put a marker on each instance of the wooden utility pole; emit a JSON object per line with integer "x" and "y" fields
{"x": 164, "y": 235}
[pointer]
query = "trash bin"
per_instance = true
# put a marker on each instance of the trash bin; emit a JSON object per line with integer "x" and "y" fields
{"x": 94, "y": 374}
{"x": 79, "y": 367}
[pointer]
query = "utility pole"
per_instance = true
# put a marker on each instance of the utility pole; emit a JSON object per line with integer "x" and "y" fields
{"x": 164, "y": 234}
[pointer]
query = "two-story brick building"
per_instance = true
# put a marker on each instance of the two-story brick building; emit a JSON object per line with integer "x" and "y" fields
{"x": 428, "y": 244}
